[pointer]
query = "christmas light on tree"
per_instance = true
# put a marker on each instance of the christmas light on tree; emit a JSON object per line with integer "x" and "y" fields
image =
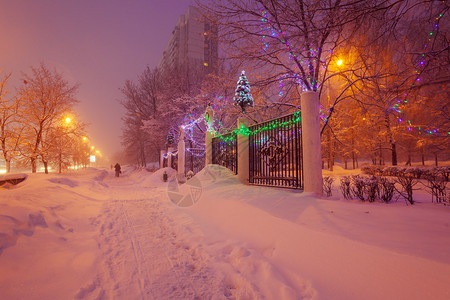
{"x": 242, "y": 94}
{"x": 170, "y": 138}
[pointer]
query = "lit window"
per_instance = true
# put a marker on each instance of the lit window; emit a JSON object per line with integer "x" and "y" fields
{"x": 205, "y": 64}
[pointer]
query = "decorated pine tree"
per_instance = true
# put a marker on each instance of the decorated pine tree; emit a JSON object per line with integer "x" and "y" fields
{"x": 242, "y": 94}
{"x": 170, "y": 138}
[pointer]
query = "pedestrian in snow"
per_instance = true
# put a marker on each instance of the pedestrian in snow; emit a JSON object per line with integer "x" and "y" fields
{"x": 117, "y": 168}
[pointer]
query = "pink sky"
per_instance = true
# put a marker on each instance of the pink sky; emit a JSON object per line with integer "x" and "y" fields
{"x": 98, "y": 44}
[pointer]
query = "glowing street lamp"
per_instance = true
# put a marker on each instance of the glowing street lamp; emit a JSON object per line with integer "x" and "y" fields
{"x": 339, "y": 62}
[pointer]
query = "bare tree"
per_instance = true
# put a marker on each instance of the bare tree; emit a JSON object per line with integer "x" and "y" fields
{"x": 46, "y": 96}
{"x": 61, "y": 142}
{"x": 10, "y": 127}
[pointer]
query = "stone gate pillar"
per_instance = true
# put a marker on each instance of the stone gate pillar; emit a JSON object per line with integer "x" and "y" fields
{"x": 161, "y": 158}
{"x": 181, "y": 157}
{"x": 312, "y": 156}
{"x": 243, "y": 152}
{"x": 170, "y": 151}
{"x": 209, "y": 116}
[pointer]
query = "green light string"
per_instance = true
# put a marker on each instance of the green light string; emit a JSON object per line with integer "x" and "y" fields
{"x": 271, "y": 125}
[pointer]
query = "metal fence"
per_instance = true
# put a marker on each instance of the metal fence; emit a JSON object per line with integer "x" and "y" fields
{"x": 275, "y": 153}
{"x": 173, "y": 161}
{"x": 224, "y": 151}
{"x": 194, "y": 160}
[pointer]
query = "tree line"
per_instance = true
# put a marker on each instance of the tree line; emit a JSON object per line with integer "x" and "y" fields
{"x": 38, "y": 122}
{"x": 381, "y": 68}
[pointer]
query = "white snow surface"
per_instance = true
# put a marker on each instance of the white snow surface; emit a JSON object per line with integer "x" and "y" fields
{"x": 90, "y": 235}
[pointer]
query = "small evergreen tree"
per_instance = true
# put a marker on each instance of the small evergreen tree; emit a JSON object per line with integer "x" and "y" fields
{"x": 242, "y": 94}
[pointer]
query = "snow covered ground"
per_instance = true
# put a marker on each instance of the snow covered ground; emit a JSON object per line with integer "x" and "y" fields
{"x": 89, "y": 235}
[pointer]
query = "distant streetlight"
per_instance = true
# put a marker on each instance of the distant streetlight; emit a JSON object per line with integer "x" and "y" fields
{"x": 340, "y": 62}
{"x": 68, "y": 120}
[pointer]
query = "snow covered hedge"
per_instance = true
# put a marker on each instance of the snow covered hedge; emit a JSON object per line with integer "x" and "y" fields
{"x": 384, "y": 183}
{"x": 435, "y": 180}
{"x": 417, "y": 172}
{"x": 367, "y": 188}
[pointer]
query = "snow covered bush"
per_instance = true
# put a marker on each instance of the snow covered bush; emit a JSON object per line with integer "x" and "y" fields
{"x": 345, "y": 187}
{"x": 367, "y": 188}
{"x": 444, "y": 172}
{"x": 435, "y": 179}
{"x": 371, "y": 188}
{"x": 372, "y": 170}
{"x": 386, "y": 189}
{"x": 357, "y": 187}
{"x": 437, "y": 185}
{"x": 327, "y": 185}
{"x": 364, "y": 188}
{"x": 407, "y": 180}
{"x": 417, "y": 172}
{"x": 390, "y": 171}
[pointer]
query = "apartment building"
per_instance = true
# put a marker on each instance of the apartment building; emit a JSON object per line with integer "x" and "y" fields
{"x": 192, "y": 46}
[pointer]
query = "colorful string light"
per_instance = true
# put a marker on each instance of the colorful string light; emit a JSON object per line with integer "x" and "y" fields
{"x": 421, "y": 65}
{"x": 270, "y": 126}
{"x": 267, "y": 30}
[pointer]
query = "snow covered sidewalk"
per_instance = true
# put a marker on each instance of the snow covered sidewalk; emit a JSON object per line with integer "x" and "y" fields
{"x": 143, "y": 256}
{"x": 89, "y": 235}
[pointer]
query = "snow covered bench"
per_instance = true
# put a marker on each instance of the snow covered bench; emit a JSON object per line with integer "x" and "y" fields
{"x": 12, "y": 179}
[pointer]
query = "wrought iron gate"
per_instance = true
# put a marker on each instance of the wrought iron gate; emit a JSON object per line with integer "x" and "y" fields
{"x": 224, "y": 151}
{"x": 275, "y": 152}
{"x": 194, "y": 160}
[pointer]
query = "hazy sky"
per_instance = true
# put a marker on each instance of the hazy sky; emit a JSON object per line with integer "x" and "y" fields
{"x": 96, "y": 43}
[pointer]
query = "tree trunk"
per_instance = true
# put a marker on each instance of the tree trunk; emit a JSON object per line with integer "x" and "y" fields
{"x": 380, "y": 153}
{"x": 353, "y": 160}
{"x": 391, "y": 139}
{"x": 8, "y": 165}
{"x": 33, "y": 164}
{"x": 60, "y": 162}
{"x": 45, "y": 165}
{"x": 423, "y": 156}
{"x": 435, "y": 159}
{"x": 330, "y": 152}
{"x": 394, "y": 153}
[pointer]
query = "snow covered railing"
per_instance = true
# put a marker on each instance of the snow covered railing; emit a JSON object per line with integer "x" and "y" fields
{"x": 12, "y": 178}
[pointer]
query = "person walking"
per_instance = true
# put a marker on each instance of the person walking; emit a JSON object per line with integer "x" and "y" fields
{"x": 117, "y": 168}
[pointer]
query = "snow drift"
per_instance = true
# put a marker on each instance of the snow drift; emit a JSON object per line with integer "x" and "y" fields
{"x": 90, "y": 235}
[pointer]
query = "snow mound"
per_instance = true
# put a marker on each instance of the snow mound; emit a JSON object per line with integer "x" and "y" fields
{"x": 8, "y": 180}
{"x": 215, "y": 174}
{"x": 340, "y": 171}
{"x": 64, "y": 181}
{"x": 156, "y": 178}
{"x": 13, "y": 176}
{"x": 100, "y": 177}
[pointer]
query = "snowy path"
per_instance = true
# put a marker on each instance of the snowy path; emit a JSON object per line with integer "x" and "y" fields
{"x": 144, "y": 259}
{"x": 89, "y": 235}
